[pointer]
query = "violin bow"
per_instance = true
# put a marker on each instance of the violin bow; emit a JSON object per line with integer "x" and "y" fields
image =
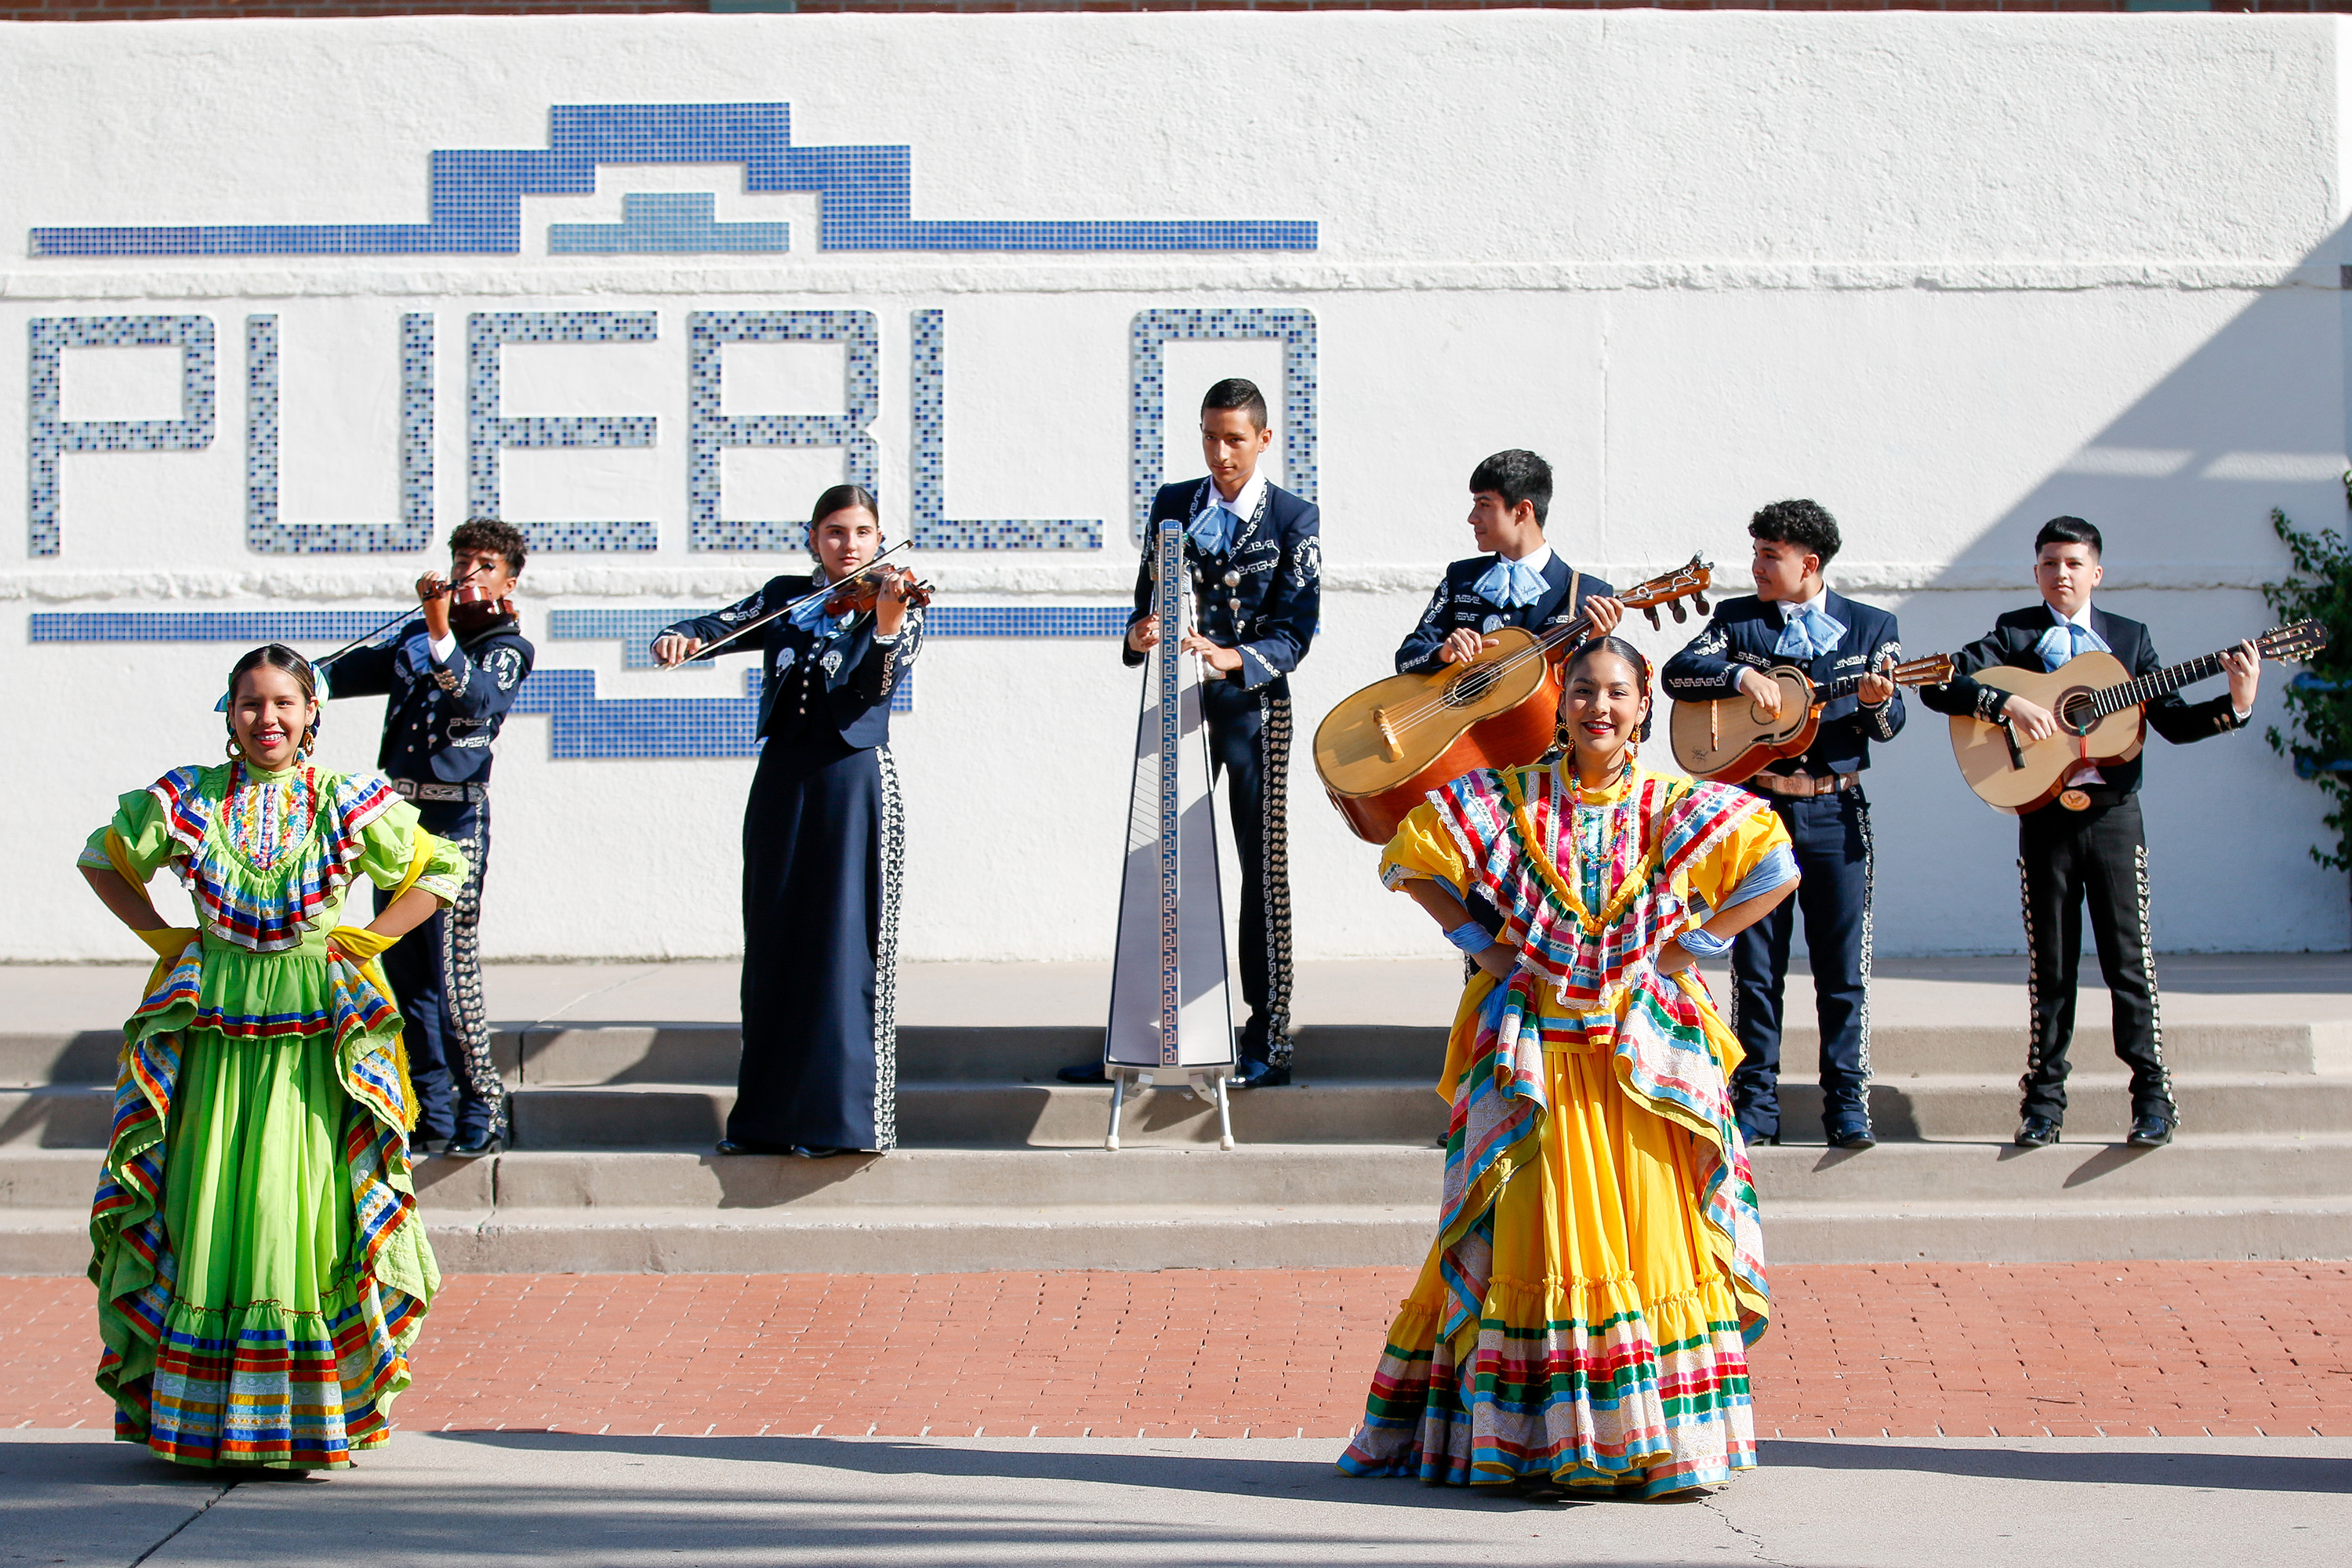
{"x": 823, "y": 591}
{"x": 406, "y": 611}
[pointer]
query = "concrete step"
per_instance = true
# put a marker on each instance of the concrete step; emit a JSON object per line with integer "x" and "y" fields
{"x": 36, "y": 1178}
{"x": 58, "y": 1116}
{"x": 706, "y": 1053}
{"x": 1004, "y": 1115}
{"x": 1340, "y": 1111}
{"x": 940, "y": 1239}
{"x": 1296, "y": 1206}
{"x": 2100, "y": 1230}
{"x": 1347, "y": 1111}
{"x": 580, "y": 1056}
{"x": 2200, "y": 1167}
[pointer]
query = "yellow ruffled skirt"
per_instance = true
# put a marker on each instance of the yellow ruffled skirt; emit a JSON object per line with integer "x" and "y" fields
{"x": 1584, "y": 1314}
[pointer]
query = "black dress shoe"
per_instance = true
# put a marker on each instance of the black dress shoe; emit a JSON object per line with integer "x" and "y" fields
{"x": 2150, "y": 1131}
{"x": 1756, "y": 1140}
{"x": 2038, "y": 1133}
{"x": 1084, "y": 1073}
{"x": 813, "y": 1151}
{"x": 428, "y": 1146}
{"x": 745, "y": 1146}
{"x": 466, "y": 1145}
{"x": 1851, "y": 1134}
{"x": 1259, "y": 1075}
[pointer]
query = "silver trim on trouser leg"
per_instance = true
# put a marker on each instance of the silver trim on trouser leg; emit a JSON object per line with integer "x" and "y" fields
{"x": 465, "y": 1013}
{"x": 1869, "y": 888}
{"x": 2147, "y": 967}
{"x": 1274, "y": 868}
{"x": 2032, "y": 989}
{"x": 886, "y": 956}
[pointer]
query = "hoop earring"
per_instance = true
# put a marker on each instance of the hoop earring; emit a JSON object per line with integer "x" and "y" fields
{"x": 1560, "y": 738}
{"x": 233, "y": 751}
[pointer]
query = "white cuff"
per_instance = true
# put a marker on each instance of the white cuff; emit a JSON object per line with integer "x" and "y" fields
{"x": 442, "y": 647}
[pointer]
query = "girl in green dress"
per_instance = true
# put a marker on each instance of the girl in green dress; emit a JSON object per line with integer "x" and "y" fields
{"x": 260, "y": 1264}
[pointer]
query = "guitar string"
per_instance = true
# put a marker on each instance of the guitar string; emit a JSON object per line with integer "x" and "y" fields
{"x": 2111, "y": 700}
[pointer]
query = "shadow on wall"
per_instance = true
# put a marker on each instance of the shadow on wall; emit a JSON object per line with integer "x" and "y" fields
{"x": 2182, "y": 483}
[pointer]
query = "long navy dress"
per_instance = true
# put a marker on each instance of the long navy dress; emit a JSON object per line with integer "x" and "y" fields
{"x": 823, "y": 846}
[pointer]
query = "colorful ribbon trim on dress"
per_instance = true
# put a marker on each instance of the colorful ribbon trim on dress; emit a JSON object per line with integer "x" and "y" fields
{"x": 258, "y": 1390}
{"x": 205, "y": 868}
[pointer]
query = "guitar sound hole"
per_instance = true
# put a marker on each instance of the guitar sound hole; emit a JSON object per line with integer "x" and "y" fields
{"x": 1469, "y": 687}
{"x": 2076, "y": 714}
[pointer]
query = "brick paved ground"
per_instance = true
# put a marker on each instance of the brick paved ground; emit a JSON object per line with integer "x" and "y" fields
{"x": 1908, "y": 1351}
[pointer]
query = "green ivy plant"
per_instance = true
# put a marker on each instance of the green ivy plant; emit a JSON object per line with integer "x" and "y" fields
{"x": 2319, "y": 698}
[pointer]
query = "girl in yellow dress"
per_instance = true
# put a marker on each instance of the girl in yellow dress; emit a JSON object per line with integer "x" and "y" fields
{"x": 1583, "y": 1320}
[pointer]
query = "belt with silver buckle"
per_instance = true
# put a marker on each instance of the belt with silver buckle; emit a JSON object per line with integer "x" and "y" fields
{"x": 1804, "y": 786}
{"x": 435, "y": 790}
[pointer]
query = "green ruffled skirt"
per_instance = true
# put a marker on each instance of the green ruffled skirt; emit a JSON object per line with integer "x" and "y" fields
{"x": 261, "y": 1267}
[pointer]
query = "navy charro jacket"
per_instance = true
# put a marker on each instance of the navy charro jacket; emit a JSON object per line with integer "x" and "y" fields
{"x": 2014, "y": 640}
{"x": 1456, "y": 605}
{"x": 1743, "y": 634}
{"x": 1277, "y": 558}
{"x": 841, "y": 683}
{"x": 442, "y": 717}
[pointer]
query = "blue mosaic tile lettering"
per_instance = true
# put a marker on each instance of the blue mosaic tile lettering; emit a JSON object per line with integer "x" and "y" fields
{"x": 711, "y": 431}
{"x": 263, "y": 529}
{"x": 486, "y": 432}
{"x": 1148, "y": 394}
{"x": 866, "y": 197}
{"x": 586, "y": 726}
{"x": 933, "y": 529}
{"x": 49, "y": 436}
{"x": 666, "y": 223}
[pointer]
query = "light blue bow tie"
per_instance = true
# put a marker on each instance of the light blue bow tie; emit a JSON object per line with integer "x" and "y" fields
{"x": 1510, "y": 584}
{"x": 1212, "y": 531}
{"x": 1808, "y": 634}
{"x": 810, "y": 618}
{"x": 2064, "y": 640}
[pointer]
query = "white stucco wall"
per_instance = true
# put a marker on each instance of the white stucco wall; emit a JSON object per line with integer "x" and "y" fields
{"x": 1948, "y": 275}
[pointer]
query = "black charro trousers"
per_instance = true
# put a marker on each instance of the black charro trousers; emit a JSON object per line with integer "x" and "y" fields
{"x": 1249, "y": 744}
{"x": 2068, "y": 860}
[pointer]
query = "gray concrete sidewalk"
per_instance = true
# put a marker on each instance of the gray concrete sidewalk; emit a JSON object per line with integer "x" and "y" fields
{"x": 78, "y": 1501}
{"x": 2196, "y": 988}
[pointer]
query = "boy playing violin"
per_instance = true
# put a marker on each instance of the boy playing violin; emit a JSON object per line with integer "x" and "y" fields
{"x": 452, "y": 674}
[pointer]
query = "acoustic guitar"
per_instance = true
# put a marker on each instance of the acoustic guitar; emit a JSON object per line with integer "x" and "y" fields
{"x": 1382, "y": 751}
{"x": 1728, "y": 738}
{"x": 2097, "y": 705}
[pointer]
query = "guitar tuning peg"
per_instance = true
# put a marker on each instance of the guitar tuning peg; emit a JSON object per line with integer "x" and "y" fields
{"x": 1680, "y": 615}
{"x": 1698, "y": 603}
{"x": 1652, "y": 610}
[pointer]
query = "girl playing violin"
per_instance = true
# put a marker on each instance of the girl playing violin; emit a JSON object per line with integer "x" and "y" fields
{"x": 824, "y": 844}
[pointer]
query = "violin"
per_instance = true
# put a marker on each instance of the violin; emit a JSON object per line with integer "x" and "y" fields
{"x": 463, "y": 593}
{"x": 863, "y": 592}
